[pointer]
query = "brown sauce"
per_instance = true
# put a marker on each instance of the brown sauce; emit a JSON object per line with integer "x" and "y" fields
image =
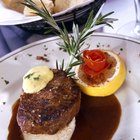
{"x": 98, "y": 119}
{"x": 14, "y": 130}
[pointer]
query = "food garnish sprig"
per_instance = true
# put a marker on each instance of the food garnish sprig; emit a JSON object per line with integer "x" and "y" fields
{"x": 72, "y": 43}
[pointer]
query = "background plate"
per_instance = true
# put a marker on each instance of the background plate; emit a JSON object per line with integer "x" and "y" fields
{"x": 35, "y": 24}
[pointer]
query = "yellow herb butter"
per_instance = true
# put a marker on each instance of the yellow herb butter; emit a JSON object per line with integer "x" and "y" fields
{"x": 36, "y": 79}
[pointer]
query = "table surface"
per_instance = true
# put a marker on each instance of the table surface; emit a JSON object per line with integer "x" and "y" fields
{"x": 124, "y": 11}
{"x": 12, "y": 37}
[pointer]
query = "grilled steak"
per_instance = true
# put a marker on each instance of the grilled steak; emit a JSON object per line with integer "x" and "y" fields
{"x": 50, "y": 109}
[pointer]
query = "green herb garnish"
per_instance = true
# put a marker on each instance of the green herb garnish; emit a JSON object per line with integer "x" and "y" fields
{"x": 29, "y": 75}
{"x": 37, "y": 78}
{"x": 4, "y": 103}
{"x": 29, "y": 54}
{"x": 6, "y": 82}
{"x": 121, "y": 49}
{"x": 15, "y": 58}
{"x": 72, "y": 43}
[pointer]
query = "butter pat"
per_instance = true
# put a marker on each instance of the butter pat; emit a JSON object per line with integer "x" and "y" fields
{"x": 36, "y": 79}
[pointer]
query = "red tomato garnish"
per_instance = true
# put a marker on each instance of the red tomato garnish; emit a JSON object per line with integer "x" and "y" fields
{"x": 94, "y": 62}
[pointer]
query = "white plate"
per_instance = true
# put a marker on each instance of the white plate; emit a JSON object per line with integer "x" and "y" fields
{"x": 10, "y": 17}
{"x": 14, "y": 65}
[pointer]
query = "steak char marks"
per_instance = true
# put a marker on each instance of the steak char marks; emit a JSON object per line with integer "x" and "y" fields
{"x": 52, "y": 108}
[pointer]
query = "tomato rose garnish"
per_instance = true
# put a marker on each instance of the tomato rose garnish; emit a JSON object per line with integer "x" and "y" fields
{"x": 94, "y": 62}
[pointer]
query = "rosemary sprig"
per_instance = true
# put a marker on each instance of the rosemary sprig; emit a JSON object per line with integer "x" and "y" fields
{"x": 72, "y": 43}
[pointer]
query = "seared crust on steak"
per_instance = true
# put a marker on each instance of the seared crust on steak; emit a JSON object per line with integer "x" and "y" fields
{"x": 50, "y": 109}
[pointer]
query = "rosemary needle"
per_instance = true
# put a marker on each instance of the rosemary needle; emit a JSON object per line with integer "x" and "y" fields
{"x": 72, "y": 43}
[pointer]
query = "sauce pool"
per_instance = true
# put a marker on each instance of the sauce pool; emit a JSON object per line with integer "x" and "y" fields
{"x": 97, "y": 119}
{"x": 14, "y": 130}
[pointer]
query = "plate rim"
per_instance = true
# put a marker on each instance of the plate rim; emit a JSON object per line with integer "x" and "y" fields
{"x": 112, "y": 35}
{"x": 37, "y": 18}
